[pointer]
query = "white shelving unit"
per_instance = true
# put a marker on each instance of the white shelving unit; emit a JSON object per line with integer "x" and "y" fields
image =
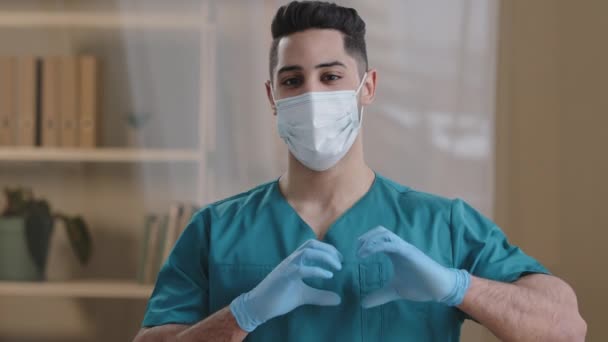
{"x": 77, "y": 289}
{"x": 44, "y": 19}
{"x": 116, "y": 20}
{"x": 129, "y": 19}
{"x": 100, "y": 155}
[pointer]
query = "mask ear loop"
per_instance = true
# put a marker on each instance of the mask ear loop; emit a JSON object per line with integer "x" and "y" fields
{"x": 274, "y": 101}
{"x": 357, "y": 93}
{"x": 361, "y": 84}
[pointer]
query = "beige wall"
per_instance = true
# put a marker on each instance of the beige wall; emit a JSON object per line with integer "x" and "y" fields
{"x": 552, "y": 144}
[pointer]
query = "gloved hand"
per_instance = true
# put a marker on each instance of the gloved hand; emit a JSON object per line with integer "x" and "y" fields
{"x": 416, "y": 276}
{"x": 283, "y": 289}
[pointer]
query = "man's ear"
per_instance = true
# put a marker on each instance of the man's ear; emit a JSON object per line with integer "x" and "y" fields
{"x": 270, "y": 98}
{"x": 368, "y": 92}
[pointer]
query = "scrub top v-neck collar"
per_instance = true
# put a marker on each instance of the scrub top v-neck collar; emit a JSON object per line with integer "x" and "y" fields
{"x": 282, "y": 201}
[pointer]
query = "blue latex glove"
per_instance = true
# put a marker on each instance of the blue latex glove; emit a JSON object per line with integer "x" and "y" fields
{"x": 416, "y": 276}
{"x": 283, "y": 289}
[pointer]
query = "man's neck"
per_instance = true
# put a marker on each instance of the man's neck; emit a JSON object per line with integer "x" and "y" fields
{"x": 335, "y": 188}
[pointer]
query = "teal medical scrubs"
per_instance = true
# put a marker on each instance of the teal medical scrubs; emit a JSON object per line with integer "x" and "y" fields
{"x": 231, "y": 245}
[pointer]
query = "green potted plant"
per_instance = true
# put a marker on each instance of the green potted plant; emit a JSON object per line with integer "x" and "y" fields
{"x": 26, "y": 225}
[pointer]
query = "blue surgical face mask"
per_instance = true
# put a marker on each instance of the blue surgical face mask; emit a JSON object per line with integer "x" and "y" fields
{"x": 319, "y": 128}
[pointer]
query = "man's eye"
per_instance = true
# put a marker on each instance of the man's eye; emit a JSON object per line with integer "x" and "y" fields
{"x": 331, "y": 77}
{"x": 291, "y": 82}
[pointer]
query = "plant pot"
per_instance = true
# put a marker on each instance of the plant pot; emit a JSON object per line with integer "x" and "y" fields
{"x": 61, "y": 262}
{"x": 16, "y": 262}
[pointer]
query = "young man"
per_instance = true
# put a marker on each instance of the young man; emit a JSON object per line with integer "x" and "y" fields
{"x": 333, "y": 251}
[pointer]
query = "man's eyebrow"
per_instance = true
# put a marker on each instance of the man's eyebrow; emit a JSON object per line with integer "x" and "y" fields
{"x": 289, "y": 68}
{"x": 318, "y": 66}
{"x": 330, "y": 64}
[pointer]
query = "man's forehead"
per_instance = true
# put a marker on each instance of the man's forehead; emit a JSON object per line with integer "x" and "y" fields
{"x": 314, "y": 34}
{"x": 311, "y": 47}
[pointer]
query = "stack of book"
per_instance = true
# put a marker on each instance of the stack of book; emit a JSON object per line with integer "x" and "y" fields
{"x": 49, "y": 101}
{"x": 160, "y": 234}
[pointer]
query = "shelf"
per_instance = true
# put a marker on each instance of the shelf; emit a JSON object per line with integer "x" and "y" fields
{"x": 109, "y": 155}
{"x": 77, "y": 289}
{"x": 28, "y": 19}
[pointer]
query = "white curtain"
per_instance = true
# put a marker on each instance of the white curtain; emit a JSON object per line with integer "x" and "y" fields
{"x": 432, "y": 125}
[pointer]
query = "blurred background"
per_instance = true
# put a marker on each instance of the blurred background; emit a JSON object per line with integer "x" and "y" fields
{"x": 119, "y": 118}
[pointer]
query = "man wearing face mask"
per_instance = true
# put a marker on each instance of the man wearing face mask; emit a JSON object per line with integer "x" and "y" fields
{"x": 332, "y": 251}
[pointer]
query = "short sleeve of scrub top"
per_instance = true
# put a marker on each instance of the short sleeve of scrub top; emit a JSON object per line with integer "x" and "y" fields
{"x": 181, "y": 292}
{"x": 481, "y": 248}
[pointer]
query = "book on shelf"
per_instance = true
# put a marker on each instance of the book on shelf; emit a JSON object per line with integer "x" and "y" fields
{"x": 50, "y": 111}
{"x": 27, "y": 96}
{"x": 68, "y": 104}
{"x": 175, "y": 212}
{"x": 7, "y": 101}
{"x": 88, "y": 124}
{"x": 149, "y": 221}
{"x": 160, "y": 234}
{"x": 49, "y": 101}
{"x": 152, "y": 245}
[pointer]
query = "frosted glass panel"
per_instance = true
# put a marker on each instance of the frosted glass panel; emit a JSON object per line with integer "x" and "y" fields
{"x": 433, "y": 119}
{"x": 183, "y": 118}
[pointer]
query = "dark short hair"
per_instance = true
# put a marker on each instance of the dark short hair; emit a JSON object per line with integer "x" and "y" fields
{"x": 298, "y": 16}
